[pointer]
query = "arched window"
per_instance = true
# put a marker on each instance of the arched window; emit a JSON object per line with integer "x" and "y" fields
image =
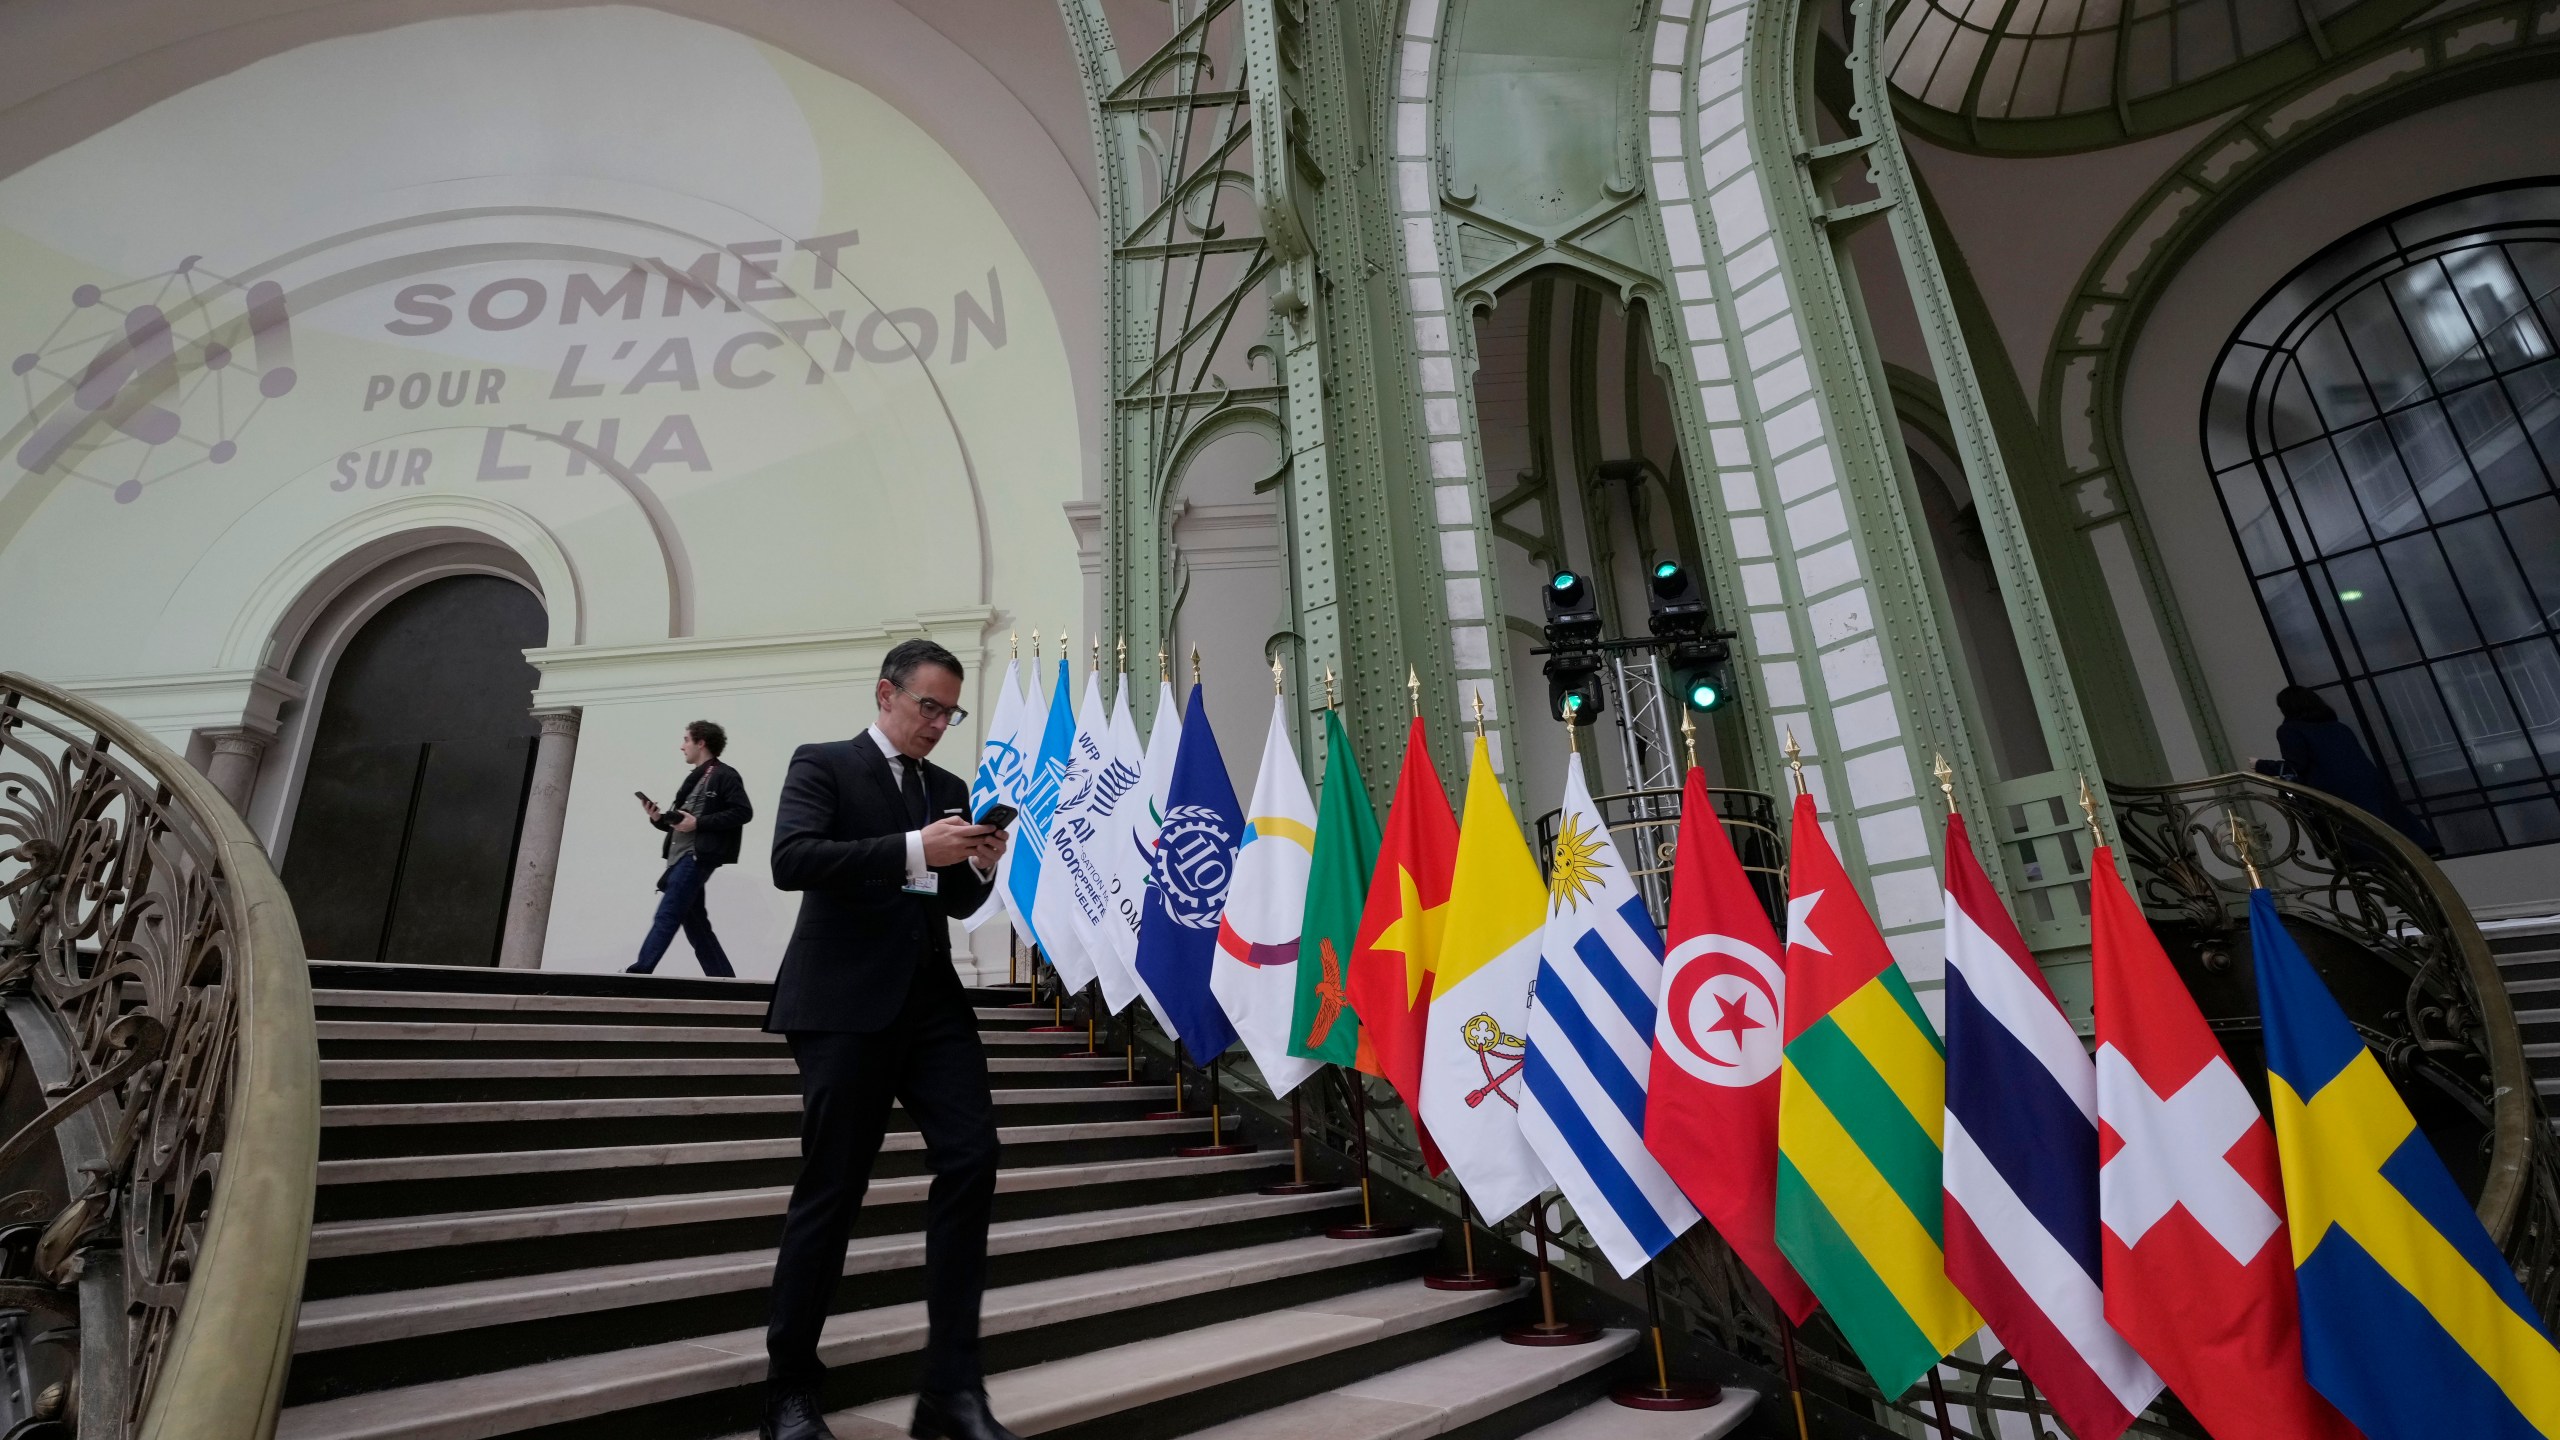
{"x": 2385, "y": 433}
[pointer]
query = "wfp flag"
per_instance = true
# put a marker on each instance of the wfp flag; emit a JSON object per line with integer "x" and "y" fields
{"x": 1097, "y": 779}
{"x": 1134, "y": 822}
{"x": 1039, "y": 805}
{"x": 1255, "y": 972}
{"x": 1862, "y": 1095}
{"x": 1125, "y": 763}
{"x": 1053, "y": 904}
{"x": 2412, "y": 1323}
{"x": 2199, "y": 1272}
{"x": 1324, "y": 1026}
{"x": 2022, "y": 1165}
{"x": 1195, "y": 864}
{"x": 1590, "y": 1042}
{"x": 1000, "y": 764}
{"x": 1475, "y": 1043}
{"x": 1400, "y": 925}
{"x": 1711, "y": 1116}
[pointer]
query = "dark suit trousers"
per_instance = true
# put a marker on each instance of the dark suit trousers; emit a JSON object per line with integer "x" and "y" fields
{"x": 930, "y": 1060}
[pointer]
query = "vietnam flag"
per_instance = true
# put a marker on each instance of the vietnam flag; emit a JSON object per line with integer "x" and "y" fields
{"x": 1398, "y": 949}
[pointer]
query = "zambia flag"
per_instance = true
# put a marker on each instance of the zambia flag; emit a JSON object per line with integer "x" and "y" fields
{"x": 1862, "y": 1099}
{"x": 1324, "y": 1026}
{"x": 2413, "y": 1324}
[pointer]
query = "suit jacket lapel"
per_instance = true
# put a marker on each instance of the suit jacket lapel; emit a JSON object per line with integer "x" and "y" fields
{"x": 875, "y": 767}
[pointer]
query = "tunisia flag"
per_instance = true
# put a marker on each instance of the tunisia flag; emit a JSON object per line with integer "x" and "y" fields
{"x": 1393, "y": 961}
{"x": 2199, "y": 1271}
{"x": 1711, "y": 1108}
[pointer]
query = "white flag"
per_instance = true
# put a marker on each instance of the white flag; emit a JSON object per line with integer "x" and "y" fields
{"x": 1053, "y": 906}
{"x": 1026, "y": 733}
{"x": 1128, "y": 760}
{"x": 1132, "y": 831}
{"x": 1000, "y": 762}
{"x": 1255, "y": 971}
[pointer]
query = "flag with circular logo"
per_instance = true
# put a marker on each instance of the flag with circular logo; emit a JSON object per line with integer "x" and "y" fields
{"x": 1195, "y": 864}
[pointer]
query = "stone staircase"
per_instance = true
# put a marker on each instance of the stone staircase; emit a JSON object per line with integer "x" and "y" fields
{"x": 2528, "y": 954}
{"x": 547, "y": 1206}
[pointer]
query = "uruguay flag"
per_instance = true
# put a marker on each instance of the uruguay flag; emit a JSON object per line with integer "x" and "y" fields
{"x": 1195, "y": 863}
{"x": 1590, "y": 1044}
{"x": 1039, "y": 804}
{"x": 2413, "y": 1324}
{"x": 2022, "y": 1165}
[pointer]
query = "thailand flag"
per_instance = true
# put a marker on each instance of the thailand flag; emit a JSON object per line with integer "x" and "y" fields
{"x": 2022, "y": 1165}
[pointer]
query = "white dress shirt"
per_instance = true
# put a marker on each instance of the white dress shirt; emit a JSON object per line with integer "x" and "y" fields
{"x": 916, "y": 868}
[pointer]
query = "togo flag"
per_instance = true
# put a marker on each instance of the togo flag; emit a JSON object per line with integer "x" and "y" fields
{"x": 1591, "y": 1043}
{"x": 1000, "y": 762}
{"x": 1325, "y": 1027}
{"x": 1255, "y": 972}
{"x": 1474, "y": 1043}
{"x": 2413, "y": 1324}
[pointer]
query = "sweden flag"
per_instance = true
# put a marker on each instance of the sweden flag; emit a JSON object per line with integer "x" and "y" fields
{"x": 2413, "y": 1324}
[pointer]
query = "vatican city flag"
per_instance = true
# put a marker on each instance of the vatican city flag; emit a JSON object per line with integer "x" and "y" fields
{"x": 1475, "y": 1044}
{"x": 1254, "y": 973}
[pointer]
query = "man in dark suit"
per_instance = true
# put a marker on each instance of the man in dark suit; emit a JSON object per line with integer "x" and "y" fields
{"x": 702, "y": 825}
{"x": 881, "y": 847}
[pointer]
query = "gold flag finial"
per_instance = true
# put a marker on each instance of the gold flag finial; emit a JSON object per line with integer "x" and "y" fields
{"x": 1195, "y": 664}
{"x": 1479, "y": 714}
{"x": 1017, "y": 644}
{"x": 1946, "y": 780}
{"x": 1035, "y": 644}
{"x": 1413, "y": 688}
{"x": 2240, "y": 842}
{"x": 1329, "y": 701}
{"x": 1096, "y": 661}
{"x": 1164, "y": 667}
{"x": 2089, "y": 812}
{"x": 1689, "y": 735}
{"x": 1795, "y": 759}
{"x": 1124, "y": 654}
{"x": 1279, "y": 686}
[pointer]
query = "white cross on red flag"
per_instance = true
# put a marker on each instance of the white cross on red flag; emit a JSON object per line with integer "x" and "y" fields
{"x": 2199, "y": 1272}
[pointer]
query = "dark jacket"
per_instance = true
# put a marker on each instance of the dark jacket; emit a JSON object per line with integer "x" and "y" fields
{"x": 2327, "y": 755}
{"x": 840, "y": 838}
{"x": 717, "y": 799}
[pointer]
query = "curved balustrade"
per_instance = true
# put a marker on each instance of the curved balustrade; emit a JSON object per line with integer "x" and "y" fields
{"x": 154, "y": 981}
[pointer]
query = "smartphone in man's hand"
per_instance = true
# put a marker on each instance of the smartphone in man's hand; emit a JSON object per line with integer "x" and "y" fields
{"x": 997, "y": 816}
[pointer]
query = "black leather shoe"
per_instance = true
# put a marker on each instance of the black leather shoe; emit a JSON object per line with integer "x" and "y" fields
{"x": 957, "y": 1415}
{"x": 794, "y": 1415}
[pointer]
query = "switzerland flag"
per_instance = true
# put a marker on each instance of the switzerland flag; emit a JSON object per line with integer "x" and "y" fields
{"x": 2199, "y": 1272}
{"x": 1394, "y": 960}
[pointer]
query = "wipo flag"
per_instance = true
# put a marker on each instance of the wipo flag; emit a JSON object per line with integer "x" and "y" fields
{"x": 1030, "y": 720}
{"x": 1255, "y": 972}
{"x": 1475, "y": 1041}
{"x": 1134, "y": 823}
{"x": 1195, "y": 866}
{"x": 1101, "y": 904}
{"x": 2022, "y": 1165}
{"x": 1590, "y": 1043}
{"x": 2199, "y": 1271}
{"x": 1053, "y": 904}
{"x": 1039, "y": 804}
{"x": 1000, "y": 764}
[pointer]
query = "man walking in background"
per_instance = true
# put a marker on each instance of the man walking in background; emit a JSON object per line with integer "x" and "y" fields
{"x": 884, "y": 854}
{"x": 702, "y": 825}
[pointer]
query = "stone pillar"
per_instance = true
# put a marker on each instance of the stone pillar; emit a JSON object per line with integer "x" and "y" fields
{"x": 546, "y": 812}
{"x": 233, "y": 766}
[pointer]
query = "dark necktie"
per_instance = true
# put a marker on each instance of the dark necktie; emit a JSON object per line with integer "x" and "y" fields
{"x": 911, "y": 785}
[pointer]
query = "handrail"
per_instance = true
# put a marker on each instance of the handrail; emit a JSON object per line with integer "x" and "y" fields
{"x": 142, "y": 928}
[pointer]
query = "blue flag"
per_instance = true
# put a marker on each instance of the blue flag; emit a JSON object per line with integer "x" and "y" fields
{"x": 1040, "y": 798}
{"x": 2413, "y": 1324}
{"x": 1194, "y": 864}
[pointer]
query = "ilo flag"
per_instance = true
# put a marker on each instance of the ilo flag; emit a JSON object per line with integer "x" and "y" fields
{"x": 1255, "y": 972}
{"x": 2022, "y": 1165}
{"x": 1400, "y": 932}
{"x": 1324, "y": 1026}
{"x": 1054, "y": 913}
{"x": 1475, "y": 1042}
{"x": 1000, "y": 766}
{"x": 1862, "y": 1097}
{"x": 1134, "y": 822}
{"x": 1194, "y": 867}
{"x": 2413, "y": 1324}
{"x": 1590, "y": 1043}
{"x": 1711, "y": 1116}
{"x": 1113, "y": 944}
{"x": 2199, "y": 1274}
{"x": 1039, "y": 805}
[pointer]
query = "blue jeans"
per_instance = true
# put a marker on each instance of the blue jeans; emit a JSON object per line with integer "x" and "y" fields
{"x": 680, "y": 907}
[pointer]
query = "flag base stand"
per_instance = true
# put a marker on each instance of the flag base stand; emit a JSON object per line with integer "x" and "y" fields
{"x": 1369, "y": 1228}
{"x": 1298, "y": 1183}
{"x": 1469, "y": 1277}
{"x": 1548, "y": 1330}
{"x": 1092, "y": 1002}
{"x": 1663, "y": 1394}
{"x": 1217, "y": 1129}
{"x": 1132, "y": 1078}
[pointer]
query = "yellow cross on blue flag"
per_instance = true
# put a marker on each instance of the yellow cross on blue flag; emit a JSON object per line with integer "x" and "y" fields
{"x": 2413, "y": 1324}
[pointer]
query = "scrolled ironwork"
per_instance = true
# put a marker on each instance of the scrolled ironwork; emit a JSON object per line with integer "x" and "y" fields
{"x": 152, "y": 970}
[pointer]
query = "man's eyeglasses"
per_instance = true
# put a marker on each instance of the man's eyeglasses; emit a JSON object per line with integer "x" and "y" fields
{"x": 933, "y": 710}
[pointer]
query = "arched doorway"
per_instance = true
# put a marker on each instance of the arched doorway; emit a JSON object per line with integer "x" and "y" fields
{"x": 404, "y": 835}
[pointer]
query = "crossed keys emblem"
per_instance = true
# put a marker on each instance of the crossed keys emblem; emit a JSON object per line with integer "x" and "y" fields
{"x": 1485, "y": 1036}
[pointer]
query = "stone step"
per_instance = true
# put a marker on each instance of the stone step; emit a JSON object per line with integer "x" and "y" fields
{"x": 342, "y": 1238}
{"x": 402, "y": 1314}
{"x": 632, "y": 1107}
{"x": 579, "y": 1387}
{"x": 337, "y": 999}
{"x": 1433, "y": 1396}
{"x": 602, "y": 1067}
{"x": 1608, "y": 1420}
{"x": 395, "y": 1168}
{"x": 463, "y": 1032}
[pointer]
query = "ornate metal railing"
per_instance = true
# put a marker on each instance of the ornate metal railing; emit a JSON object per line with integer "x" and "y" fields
{"x": 154, "y": 982}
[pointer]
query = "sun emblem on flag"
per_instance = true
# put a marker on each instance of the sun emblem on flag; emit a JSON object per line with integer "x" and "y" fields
{"x": 1576, "y": 865}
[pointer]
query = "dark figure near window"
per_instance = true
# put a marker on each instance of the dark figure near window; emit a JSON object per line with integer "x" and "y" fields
{"x": 702, "y": 825}
{"x": 2324, "y": 753}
